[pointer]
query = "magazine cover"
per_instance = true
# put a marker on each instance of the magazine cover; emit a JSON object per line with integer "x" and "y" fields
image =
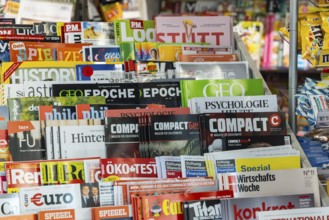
{"x": 122, "y": 137}
{"x": 145, "y": 112}
{"x": 213, "y": 70}
{"x": 44, "y": 51}
{"x": 113, "y": 169}
{"x": 208, "y": 58}
{"x": 113, "y": 73}
{"x": 46, "y": 28}
{"x": 96, "y": 194}
{"x": 218, "y": 125}
{"x": 4, "y": 146}
{"x": 113, "y": 212}
{"x": 125, "y": 188}
{"x": 134, "y": 31}
{"x": 243, "y": 163}
{"x": 114, "y": 93}
{"x": 204, "y": 209}
{"x": 215, "y": 88}
{"x": 4, "y": 117}
{"x": 164, "y": 93}
{"x": 25, "y": 141}
{"x": 170, "y": 166}
{"x": 247, "y": 208}
{"x": 18, "y": 72}
{"x": 174, "y": 135}
{"x": 70, "y": 171}
{"x": 82, "y": 141}
{"x": 105, "y": 53}
{"x": 67, "y": 214}
{"x": 22, "y": 174}
{"x": 236, "y": 143}
{"x": 215, "y": 30}
{"x": 264, "y": 103}
{"x": 301, "y": 213}
{"x": 27, "y": 108}
{"x": 49, "y": 172}
{"x": 158, "y": 206}
{"x": 193, "y": 166}
{"x": 5, "y": 40}
{"x": 271, "y": 183}
{"x": 205, "y": 50}
{"x": 35, "y": 199}
{"x": 9, "y": 204}
{"x": 96, "y": 33}
{"x": 92, "y": 171}
{"x": 54, "y": 112}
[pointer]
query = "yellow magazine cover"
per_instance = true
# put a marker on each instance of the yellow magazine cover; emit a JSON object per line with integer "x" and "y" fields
{"x": 168, "y": 52}
{"x": 267, "y": 163}
{"x": 71, "y": 172}
{"x": 49, "y": 173}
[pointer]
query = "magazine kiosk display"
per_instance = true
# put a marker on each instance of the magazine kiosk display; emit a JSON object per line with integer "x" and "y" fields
{"x": 143, "y": 139}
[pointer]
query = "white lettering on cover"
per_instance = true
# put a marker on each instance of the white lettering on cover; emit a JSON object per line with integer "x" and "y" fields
{"x": 134, "y": 168}
{"x": 18, "y": 176}
{"x": 163, "y": 92}
{"x": 201, "y": 210}
{"x": 112, "y": 93}
{"x": 139, "y": 35}
{"x": 58, "y": 215}
{"x": 224, "y": 89}
{"x": 124, "y": 128}
{"x": 237, "y": 124}
{"x": 42, "y": 74}
{"x": 167, "y": 126}
{"x": 110, "y": 213}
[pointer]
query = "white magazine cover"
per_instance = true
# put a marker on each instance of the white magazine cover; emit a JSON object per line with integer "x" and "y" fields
{"x": 13, "y": 90}
{"x": 272, "y": 182}
{"x": 227, "y": 161}
{"x": 247, "y": 208}
{"x": 264, "y": 103}
{"x": 158, "y": 165}
{"x": 212, "y": 70}
{"x": 170, "y": 166}
{"x": 92, "y": 171}
{"x": 193, "y": 166}
{"x": 188, "y": 49}
{"x": 34, "y": 199}
{"x": 9, "y": 204}
{"x": 318, "y": 213}
{"x": 82, "y": 141}
{"x": 49, "y": 140}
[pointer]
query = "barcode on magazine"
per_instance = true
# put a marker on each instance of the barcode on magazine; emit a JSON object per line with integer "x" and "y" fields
{"x": 287, "y": 140}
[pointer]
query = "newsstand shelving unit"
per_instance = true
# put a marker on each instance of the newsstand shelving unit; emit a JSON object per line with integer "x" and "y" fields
{"x": 256, "y": 74}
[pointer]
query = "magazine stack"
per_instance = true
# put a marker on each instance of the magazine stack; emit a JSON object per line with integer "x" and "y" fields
{"x": 141, "y": 119}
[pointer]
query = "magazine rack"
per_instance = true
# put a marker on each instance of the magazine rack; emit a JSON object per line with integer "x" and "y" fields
{"x": 256, "y": 74}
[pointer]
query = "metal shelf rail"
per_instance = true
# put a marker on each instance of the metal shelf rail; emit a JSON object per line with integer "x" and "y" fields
{"x": 256, "y": 74}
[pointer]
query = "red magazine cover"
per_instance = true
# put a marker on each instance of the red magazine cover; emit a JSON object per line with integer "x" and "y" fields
{"x": 146, "y": 112}
{"x": 22, "y": 174}
{"x": 123, "y": 168}
{"x": 164, "y": 207}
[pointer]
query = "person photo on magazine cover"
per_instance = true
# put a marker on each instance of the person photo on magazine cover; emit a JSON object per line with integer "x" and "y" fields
{"x": 95, "y": 195}
{"x": 86, "y": 200}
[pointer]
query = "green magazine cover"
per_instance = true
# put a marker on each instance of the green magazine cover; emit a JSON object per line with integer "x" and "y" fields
{"x": 27, "y": 108}
{"x": 220, "y": 87}
{"x": 129, "y": 30}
